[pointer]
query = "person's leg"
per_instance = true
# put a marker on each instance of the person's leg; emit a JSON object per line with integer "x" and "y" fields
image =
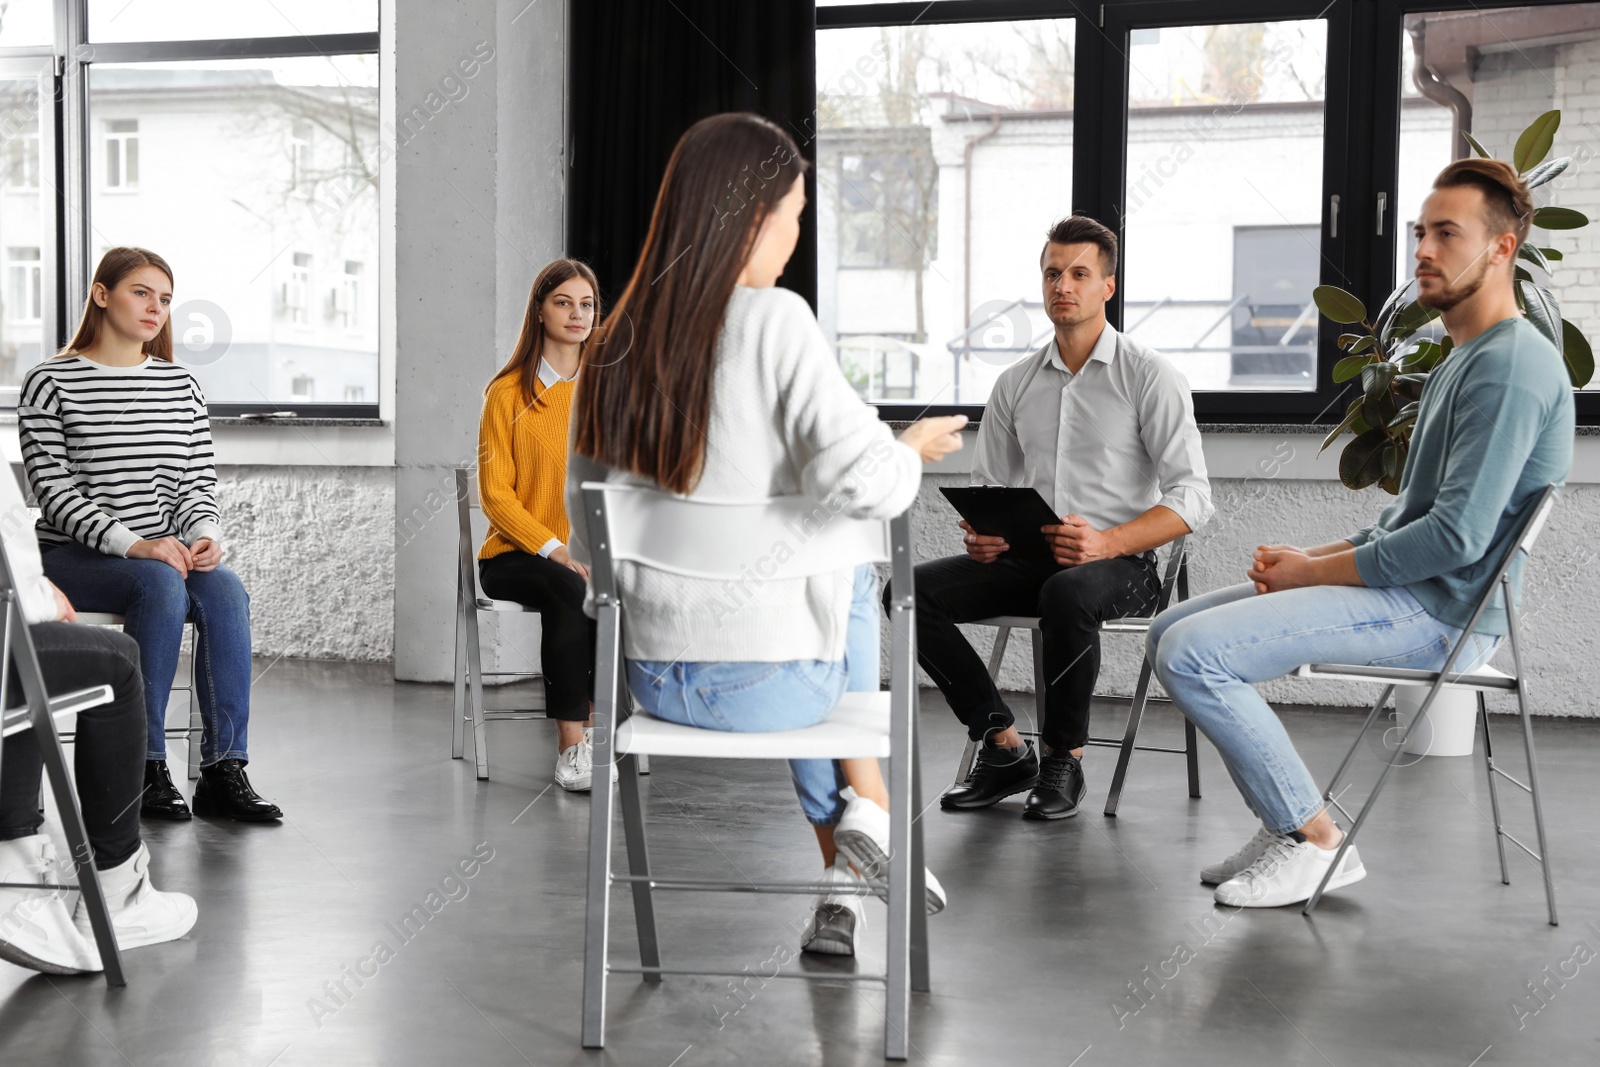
{"x": 220, "y": 608}
{"x": 1072, "y": 605}
{"x": 1209, "y": 661}
{"x": 154, "y": 603}
{"x": 566, "y": 634}
{"x": 958, "y": 590}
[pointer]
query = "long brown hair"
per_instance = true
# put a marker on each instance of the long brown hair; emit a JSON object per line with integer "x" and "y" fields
{"x": 524, "y": 361}
{"x": 645, "y": 394}
{"x": 114, "y": 266}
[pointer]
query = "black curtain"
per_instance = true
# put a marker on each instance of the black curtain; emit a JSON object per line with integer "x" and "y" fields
{"x": 643, "y": 71}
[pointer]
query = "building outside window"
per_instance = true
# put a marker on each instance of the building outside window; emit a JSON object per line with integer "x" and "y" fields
{"x": 347, "y": 299}
{"x": 23, "y": 285}
{"x": 122, "y": 153}
{"x": 22, "y": 162}
{"x": 297, "y": 290}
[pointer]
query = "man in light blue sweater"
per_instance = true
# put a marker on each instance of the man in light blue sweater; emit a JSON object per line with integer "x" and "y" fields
{"x": 1495, "y": 427}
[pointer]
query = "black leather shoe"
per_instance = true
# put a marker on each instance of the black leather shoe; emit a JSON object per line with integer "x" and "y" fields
{"x": 224, "y": 790}
{"x": 161, "y": 799}
{"x": 991, "y": 781}
{"x": 1060, "y": 789}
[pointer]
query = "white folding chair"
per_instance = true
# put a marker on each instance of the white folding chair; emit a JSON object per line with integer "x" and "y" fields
{"x": 1176, "y": 579}
{"x": 1483, "y": 680}
{"x": 469, "y": 672}
{"x": 39, "y": 713}
{"x": 723, "y": 541}
{"x": 192, "y": 733}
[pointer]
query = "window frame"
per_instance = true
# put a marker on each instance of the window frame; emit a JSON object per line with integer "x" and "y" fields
{"x": 1357, "y": 165}
{"x": 65, "y": 136}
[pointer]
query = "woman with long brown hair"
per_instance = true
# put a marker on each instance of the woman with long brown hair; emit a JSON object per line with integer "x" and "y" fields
{"x": 116, "y": 443}
{"x": 522, "y": 467}
{"x": 714, "y": 383}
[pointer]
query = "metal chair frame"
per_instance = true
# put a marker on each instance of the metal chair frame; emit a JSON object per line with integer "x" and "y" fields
{"x": 907, "y": 968}
{"x": 1175, "y": 578}
{"x": 39, "y": 714}
{"x": 469, "y": 673}
{"x": 192, "y": 733}
{"x": 1483, "y": 680}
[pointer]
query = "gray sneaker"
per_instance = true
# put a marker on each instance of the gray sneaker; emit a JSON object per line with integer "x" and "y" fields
{"x": 835, "y": 919}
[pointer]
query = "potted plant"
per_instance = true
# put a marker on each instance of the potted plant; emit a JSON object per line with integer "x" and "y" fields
{"x": 1392, "y": 357}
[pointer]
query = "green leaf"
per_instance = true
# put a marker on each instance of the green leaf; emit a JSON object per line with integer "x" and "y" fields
{"x": 1577, "y": 353}
{"x": 1445, "y": 346}
{"x": 1559, "y": 218}
{"x": 1408, "y": 319}
{"x": 1552, "y": 254}
{"x": 1521, "y": 273}
{"x": 1535, "y": 142}
{"x": 1410, "y": 386}
{"x": 1361, "y": 462}
{"x": 1391, "y": 464}
{"x": 1535, "y": 255}
{"x": 1542, "y": 310}
{"x": 1375, "y": 377}
{"x": 1346, "y": 423}
{"x": 1405, "y": 416}
{"x": 1483, "y": 153}
{"x": 1422, "y": 355}
{"x": 1347, "y": 339}
{"x": 1349, "y": 367}
{"x": 1546, "y": 171}
{"x": 1338, "y": 305}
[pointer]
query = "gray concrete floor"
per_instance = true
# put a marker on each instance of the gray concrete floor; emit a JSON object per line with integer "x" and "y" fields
{"x": 1048, "y": 924}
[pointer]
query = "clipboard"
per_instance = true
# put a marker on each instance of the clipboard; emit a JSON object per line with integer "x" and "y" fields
{"x": 1014, "y": 513}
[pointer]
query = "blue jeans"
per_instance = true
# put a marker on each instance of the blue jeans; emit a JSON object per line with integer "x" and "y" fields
{"x": 155, "y": 600}
{"x": 764, "y": 697}
{"x": 1208, "y": 651}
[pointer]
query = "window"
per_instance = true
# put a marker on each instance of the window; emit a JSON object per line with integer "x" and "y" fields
{"x": 23, "y": 285}
{"x": 296, "y": 290}
{"x": 943, "y": 153}
{"x": 300, "y": 158}
{"x": 206, "y": 20}
{"x": 122, "y": 153}
{"x": 354, "y": 394}
{"x": 22, "y": 163}
{"x": 302, "y": 387}
{"x": 347, "y": 298}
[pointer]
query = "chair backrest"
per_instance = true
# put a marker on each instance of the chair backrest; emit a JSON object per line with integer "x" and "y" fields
{"x": 768, "y": 540}
{"x": 466, "y": 545}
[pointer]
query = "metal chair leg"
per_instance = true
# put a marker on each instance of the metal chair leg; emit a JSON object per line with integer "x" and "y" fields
{"x": 1330, "y": 794}
{"x": 644, "y": 912}
{"x": 1040, "y": 684}
{"x": 1130, "y": 736}
{"x": 597, "y": 911}
{"x": 897, "y": 1006}
{"x": 197, "y": 725}
{"x": 1191, "y": 748}
{"x": 919, "y": 887}
{"x": 1527, "y": 744}
{"x": 1494, "y": 788}
{"x": 480, "y": 739}
{"x": 458, "y": 730}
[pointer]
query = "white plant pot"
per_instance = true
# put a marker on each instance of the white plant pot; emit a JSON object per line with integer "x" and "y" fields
{"x": 1451, "y": 726}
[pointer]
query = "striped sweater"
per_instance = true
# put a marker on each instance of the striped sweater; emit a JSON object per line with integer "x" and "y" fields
{"x": 115, "y": 455}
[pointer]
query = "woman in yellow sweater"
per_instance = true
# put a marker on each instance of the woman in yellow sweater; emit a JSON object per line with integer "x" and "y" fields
{"x": 522, "y": 469}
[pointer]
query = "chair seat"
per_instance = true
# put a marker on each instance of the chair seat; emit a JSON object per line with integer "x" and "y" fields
{"x": 1482, "y": 678}
{"x": 485, "y": 604}
{"x": 99, "y": 618}
{"x": 1134, "y": 625}
{"x": 857, "y": 729}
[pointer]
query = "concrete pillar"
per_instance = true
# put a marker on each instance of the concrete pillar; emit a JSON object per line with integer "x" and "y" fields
{"x": 480, "y": 100}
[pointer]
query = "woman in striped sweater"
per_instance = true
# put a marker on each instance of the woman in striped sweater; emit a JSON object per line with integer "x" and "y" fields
{"x": 117, "y": 448}
{"x": 522, "y": 469}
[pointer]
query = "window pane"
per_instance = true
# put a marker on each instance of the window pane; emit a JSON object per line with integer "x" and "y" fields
{"x": 255, "y": 307}
{"x": 204, "y": 20}
{"x": 927, "y": 292}
{"x": 26, "y": 218}
{"x": 1225, "y": 129}
{"x": 1494, "y": 71}
{"x": 27, "y": 22}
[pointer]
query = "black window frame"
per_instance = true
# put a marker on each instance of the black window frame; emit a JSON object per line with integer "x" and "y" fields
{"x": 1361, "y": 96}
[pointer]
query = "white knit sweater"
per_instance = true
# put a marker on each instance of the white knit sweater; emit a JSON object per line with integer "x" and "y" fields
{"x": 784, "y": 421}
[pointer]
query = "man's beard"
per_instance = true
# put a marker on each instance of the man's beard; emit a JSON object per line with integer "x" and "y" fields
{"x": 1448, "y": 297}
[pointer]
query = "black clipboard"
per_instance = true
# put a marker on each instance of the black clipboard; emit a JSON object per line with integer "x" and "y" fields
{"x": 1007, "y": 511}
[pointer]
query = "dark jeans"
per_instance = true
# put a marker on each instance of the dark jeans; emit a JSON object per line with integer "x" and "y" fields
{"x": 566, "y": 634}
{"x": 108, "y": 754}
{"x": 155, "y": 600}
{"x": 1071, "y": 601}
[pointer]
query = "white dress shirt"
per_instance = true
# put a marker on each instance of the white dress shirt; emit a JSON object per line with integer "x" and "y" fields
{"x": 1107, "y": 443}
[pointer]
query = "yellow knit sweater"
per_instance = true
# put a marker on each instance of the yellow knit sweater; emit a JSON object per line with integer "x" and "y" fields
{"x": 522, "y": 466}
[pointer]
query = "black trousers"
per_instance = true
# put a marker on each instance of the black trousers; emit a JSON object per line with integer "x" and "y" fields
{"x": 108, "y": 754}
{"x": 566, "y": 641}
{"x": 1071, "y": 601}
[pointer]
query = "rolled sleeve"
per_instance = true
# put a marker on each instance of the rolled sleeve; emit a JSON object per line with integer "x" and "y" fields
{"x": 1172, "y": 440}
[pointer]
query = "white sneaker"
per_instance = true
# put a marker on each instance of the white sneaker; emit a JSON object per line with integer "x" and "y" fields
{"x": 1218, "y": 873}
{"x": 36, "y": 929}
{"x": 1288, "y": 872}
{"x": 863, "y": 836}
{"x": 575, "y": 766}
{"x": 140, "y": 914}
{"x": 835, "y": 918}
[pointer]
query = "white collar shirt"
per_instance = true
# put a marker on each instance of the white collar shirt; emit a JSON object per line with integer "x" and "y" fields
{"x": 1106, "y": 444}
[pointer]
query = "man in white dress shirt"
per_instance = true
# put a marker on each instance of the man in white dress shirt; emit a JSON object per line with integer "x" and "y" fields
{"x": 1103, "y": 427}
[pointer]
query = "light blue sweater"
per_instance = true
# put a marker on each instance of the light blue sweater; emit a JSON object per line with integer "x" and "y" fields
{"x": 1495, "y": 428}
